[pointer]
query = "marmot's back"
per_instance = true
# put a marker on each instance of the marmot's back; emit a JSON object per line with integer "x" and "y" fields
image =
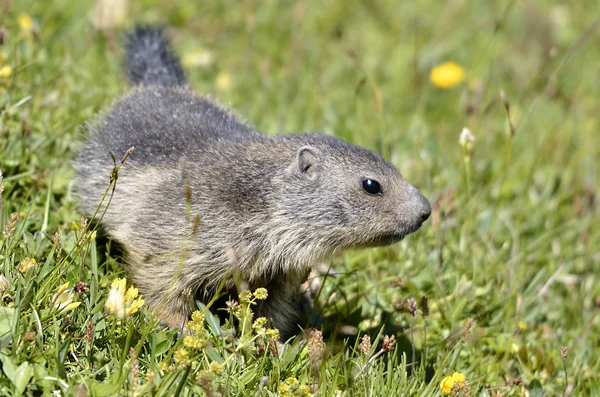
{"x": 204, "y": 196}
{"x": 165, "y": 123}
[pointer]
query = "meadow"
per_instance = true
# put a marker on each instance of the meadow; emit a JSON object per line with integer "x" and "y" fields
{"x": 490, "y": 108}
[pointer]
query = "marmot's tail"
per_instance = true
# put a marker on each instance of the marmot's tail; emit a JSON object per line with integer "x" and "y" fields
{"x": 150, "y": 59}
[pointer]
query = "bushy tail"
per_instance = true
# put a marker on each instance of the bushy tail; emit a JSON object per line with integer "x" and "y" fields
{"x": 150, "y": 59}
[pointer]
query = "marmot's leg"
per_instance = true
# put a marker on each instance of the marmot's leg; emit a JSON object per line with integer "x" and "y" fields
{"x": 169, "y": 299}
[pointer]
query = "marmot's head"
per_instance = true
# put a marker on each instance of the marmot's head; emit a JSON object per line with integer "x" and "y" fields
{"x": 344, "y": 196}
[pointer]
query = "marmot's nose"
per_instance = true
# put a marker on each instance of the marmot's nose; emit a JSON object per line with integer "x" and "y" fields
{"x": 425, "y": 215}
{"x": 424, "y": 208}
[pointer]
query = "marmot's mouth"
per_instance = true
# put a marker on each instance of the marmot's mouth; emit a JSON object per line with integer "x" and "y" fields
{"x": 389, "y": 239}
{"x": 392, "y": 238}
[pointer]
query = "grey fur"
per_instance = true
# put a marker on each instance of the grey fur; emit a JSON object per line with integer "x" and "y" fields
{"x": 269, "y": 207}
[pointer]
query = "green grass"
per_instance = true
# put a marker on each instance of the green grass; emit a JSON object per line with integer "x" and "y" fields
{"x": 513, "y": 243}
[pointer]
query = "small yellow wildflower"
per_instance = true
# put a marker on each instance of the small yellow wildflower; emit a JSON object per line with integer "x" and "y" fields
{"x": 292, "y": 388}
{"x": 5, "y": 71}
{"x": 273, "y": 333}
{"x": 291, "y": 381}
{"x": 163, "y": 366}
{"x": 216, "y": 368}
{"x": 195, "y": 327}
{"x": 259, "y": 323}
{"x": 261, "y": 293}
{"x": 245, "y": 296}
{"x": 197, "y": 323}
{"x": 198, "y": 317}
{"x": 447, "y": 75}
{"x": 63, "y": 298}
{"x": 26, "y": 264}
{"x": 198, "y": 58}
{"x": 131, "y": 293}
{"x": 448, "y": 382}
{"x": 121, "y": 304}
{"x": 522, "y": 326}
{"x": 194, "y": 342}
{"x": 515, "y": 348}
{"x": 182, "y": 357}
{"x": 224, "y": 82}
{"x": 25, "y": 23}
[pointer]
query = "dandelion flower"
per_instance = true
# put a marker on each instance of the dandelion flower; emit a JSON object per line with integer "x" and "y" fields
{"x": 224, "y": 82}
{"x": 25, "y": 23}
{"x": 63, "y": 298}
{"x": 5, "y": 71}
{"x": 447, "y": 75}
{"x": 120, "y": 303}
{"x": 198, "y": 58}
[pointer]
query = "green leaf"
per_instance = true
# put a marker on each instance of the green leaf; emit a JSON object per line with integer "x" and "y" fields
{"x": 162, "y": 344}
{"x": 6, "y": 319}
{"x": 8, "y": 366}
{"x": 60, "y": 358}
{"x": 105, "y": 389}
{"x": 22, "y": 376}
{"x": 536, "y": 389}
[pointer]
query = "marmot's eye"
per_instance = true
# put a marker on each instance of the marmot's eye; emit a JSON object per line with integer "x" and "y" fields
{"x": 371, "y": 186}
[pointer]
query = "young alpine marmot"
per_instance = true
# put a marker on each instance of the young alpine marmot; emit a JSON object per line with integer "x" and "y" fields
{"x": 204, "y": 198}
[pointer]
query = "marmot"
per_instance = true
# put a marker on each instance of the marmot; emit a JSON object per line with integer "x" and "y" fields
{"x": 204, "y": 196}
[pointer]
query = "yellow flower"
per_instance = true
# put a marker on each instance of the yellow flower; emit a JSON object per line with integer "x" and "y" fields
{"x": 194, "y": 342}
{"x": 5, "y": 71}
{"x": 273, "y": 333}
{"x": 182, "y": 357}
{"x": 63, "y": 298}
{"x": 245, "y": 296}
{"x": 198, "y": 58}
{"x": 259, "y": 323}
{"x": 458, "y": 377}
{"x": 26, "y": 264}
{"x": 224, "y": 82}
{"x": 448, "y": 382}
{"x": 522, "y": 326}
{"x": 198, "y": 317}
{"x": 261, "y": 293}
{"x": 216, "y": 368}
{"x": 447, "y": 75}
{"x": 121, "y": 304}
{"x": 131, "y": 294}
{"x": 25, "y": 23}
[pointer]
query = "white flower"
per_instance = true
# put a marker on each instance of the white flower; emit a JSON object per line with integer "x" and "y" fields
{"x": 120, "y": 303}
{"x": 466, "y": 139}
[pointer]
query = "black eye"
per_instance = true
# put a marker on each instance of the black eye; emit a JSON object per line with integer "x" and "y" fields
{"x": 371, "y": 186}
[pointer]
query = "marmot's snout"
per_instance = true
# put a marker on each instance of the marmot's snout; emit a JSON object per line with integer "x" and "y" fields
{"x": 420, "y": 208}
{"x": 423, "y": 207}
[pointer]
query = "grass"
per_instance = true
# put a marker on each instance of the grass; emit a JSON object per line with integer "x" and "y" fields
{"x": 509, "y": 263}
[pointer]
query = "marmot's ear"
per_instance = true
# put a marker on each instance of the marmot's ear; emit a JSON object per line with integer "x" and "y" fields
{"x": 307, "y": 162}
